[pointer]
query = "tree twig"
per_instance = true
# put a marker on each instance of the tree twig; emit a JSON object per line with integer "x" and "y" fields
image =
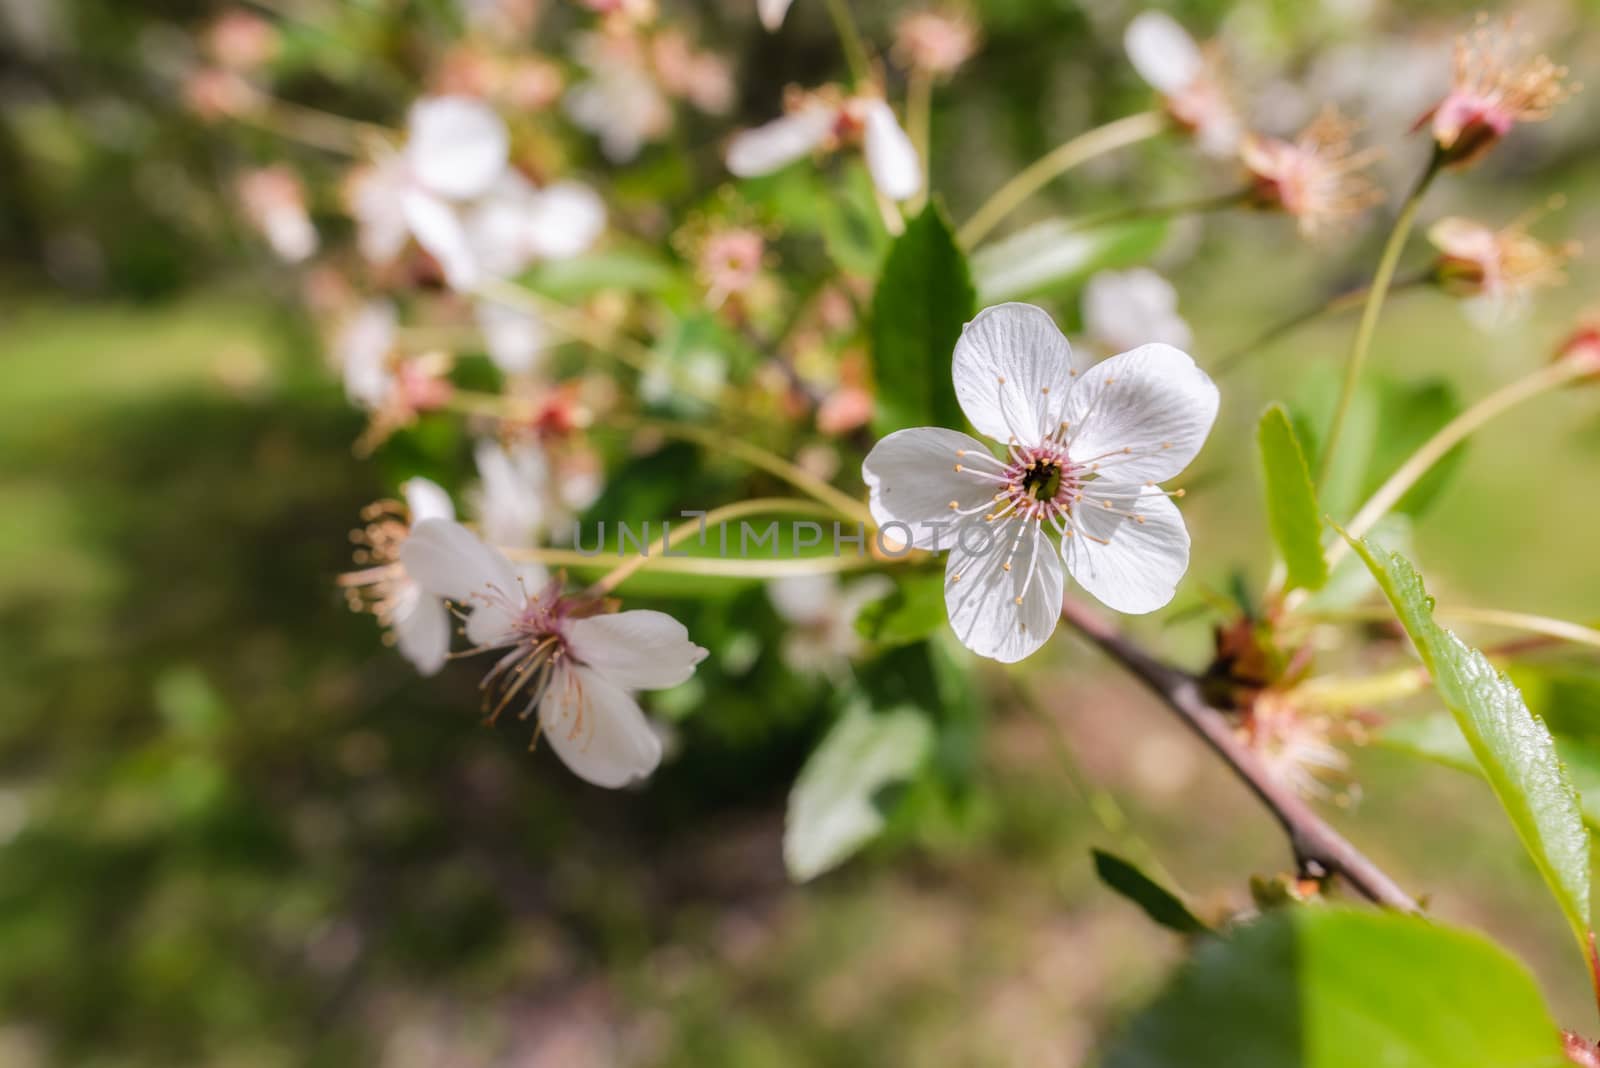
{"x": 1319, "y": 850}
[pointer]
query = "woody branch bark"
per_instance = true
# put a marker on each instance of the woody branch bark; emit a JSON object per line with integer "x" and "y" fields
{"x": 1319, "y": 849}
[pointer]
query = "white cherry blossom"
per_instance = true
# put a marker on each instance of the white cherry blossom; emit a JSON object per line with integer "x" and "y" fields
{"x": 418, "y": 621}
{"x": 1084, "y": 450}
{"x": 772, "y": 13}
{"x": 561, "y": 656}
{"x": 1175, "y": 66}
{"x": 819, "y": 122}
{"x": 821, "y": 613}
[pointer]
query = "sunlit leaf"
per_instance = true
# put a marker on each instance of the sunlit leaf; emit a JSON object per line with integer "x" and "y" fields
{"x": 924, "y": 298}
{"x": 1158, "y": 903}
{"x": 1336, "y": 988}
{"x": 1291, "y": 501}
{"x": 1512, "y": 745}
{"x": 832, "y": 808}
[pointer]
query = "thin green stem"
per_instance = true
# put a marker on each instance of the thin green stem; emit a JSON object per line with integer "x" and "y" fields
{"x": 1387, "y": 263}
{"x": 1058, "y": 161}
{"x": 1167, "y": 210}
{"x": 1448, "y": 437}
{"x": 855, "y": 51}
{"x": 698, "y": 526}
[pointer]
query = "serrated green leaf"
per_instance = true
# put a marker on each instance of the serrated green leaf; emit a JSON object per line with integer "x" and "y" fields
{"x": 1337, "y": 988}
{"x": 1056, "y": 254}
{"x": 924, "y": 298}
{"x": 1437, "y": 738}
{"x": 1158, "y": 903}
{"x": 831, "y": 808}
{"x": 1291, "y": 501}
{"x": 910, "y": 612}
{"x": 1512, "y": 745}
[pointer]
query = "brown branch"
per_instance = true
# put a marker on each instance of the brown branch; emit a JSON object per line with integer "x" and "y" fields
{"x": 1319, "y": 850}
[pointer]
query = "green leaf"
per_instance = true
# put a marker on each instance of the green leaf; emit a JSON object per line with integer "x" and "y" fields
{"x": 1512, "y": 745}
{"x": 1291, "y": 501}
{"x": 924, "y": 298}
{"x": 1437, "y": 738}
{"x": 1158, "y": 903}
{"x": 909, "y": 613}
{"x": 832, "y": 809}
{"x": 1337, "y": 988}
{"x": 1055, "y": 254}
{"x": 1387, "y": 421}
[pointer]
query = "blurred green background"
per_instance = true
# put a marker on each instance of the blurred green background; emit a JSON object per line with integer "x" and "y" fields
{"x": 237, "y": 830}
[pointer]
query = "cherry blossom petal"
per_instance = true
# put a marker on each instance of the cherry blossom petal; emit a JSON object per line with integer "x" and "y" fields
{"x": 1012, "y": 369}
{"x": 1162, "y": 52}
{"x": 375, "y": 195}
{"x": 1002, "y": 588}
{"x": 597, "y": 728}
{"x": 780, "y": 142}
{"x": 363, "y": 347}
{"x": 772, "y": 13}
{"x": 1131, "y": 565}
{"x": 447, "y": 560}
{"x": 512, "y": 503}
{"x": 891, "y": 157}
{"x": 566, "y": 219}
{"x": 808, "y": 600}
{"x": 913, "y": 478}
{"x": 425, "y": 499}
{"x": 494, "y": 618}
{"x": 422, "y": 630}
{"x": 636, "y": 650}
{"x": 458, "y": 146}
{"x": 1142, "y": 415}
{"x": 439, "y": 229}
{"x": 1123, "y": 309}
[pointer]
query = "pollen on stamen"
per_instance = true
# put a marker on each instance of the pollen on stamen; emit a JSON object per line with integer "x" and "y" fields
{"x": 1018, "y": 600}
{"x": 954, "y": 505}
{"x": 1006, "y": 566}
{"x": 958, "y": 467}
{"x": 1001, "y": 380}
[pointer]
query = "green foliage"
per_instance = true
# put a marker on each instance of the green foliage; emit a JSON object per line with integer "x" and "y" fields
{"x": 1291, "y": 501}
{"x": 1158, "y": 903}
{"x": 924, "y": 298}
{"x": 910, "y": 612}
{"x": 833, "y": 809}
{"x": 1388, "y": 420}
{"x": 1055, "y": 256}
{"x": 1333, "y": 988}
{"x": 1512, "y": 745}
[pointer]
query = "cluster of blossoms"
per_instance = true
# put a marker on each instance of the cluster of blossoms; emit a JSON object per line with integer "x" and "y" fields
{"x": 454, "y": 212}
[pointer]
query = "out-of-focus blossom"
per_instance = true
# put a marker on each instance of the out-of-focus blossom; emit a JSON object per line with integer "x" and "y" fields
{"x": 1175, "y": 66}
{"x": 821, "y": 613}
{"x": 418, "y": 622}
{"x": 1125, "y": 309}
{"x": 1317, "y": 178}
{"x": 704, "y": 79}
{"x": 213, "y": 93}
{"x": 392, "y": 388}
{"x": 772, "y": 13}
{"x": 1496, "y": 271}
{"x": 728, "y": 263}
{"x": 241, "y": 40}
{"x": 823, "y": 122}
{"x": 1493, "y": 88}
{"x": 1583, "y": 344}
{"x": 845, "y": 409}
{"x": 620, "y": 101}
{"x": 934, "y": 42}
{"x": 528, "y": 492}
{"x": 274, "y": 200}
{"x": 562, "y": 657}
{"x": 624, "y": 12}
{"x": 1086, "y": 452}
